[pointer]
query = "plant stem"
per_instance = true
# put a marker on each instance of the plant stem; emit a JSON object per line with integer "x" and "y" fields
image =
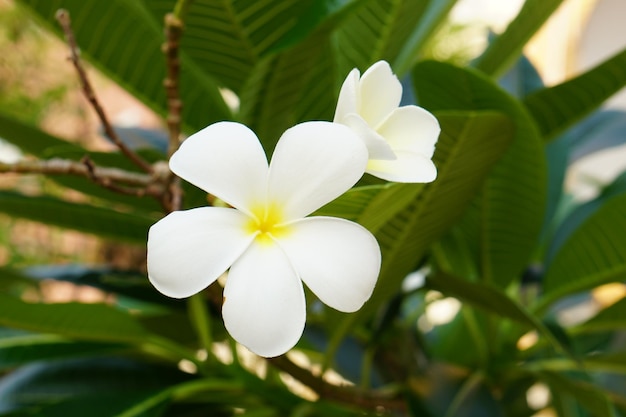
{"x": 201, "y": 322}
{"x": 63, "y": 17}
{"x": 466, "y": 389}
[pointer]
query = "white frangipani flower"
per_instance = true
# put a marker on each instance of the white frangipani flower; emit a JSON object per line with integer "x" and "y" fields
{"x": 400, "y": 140}
{"x": 265, "y": 240}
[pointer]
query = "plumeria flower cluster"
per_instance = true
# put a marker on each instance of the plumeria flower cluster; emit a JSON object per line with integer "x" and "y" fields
{"x": 266, "y": 240}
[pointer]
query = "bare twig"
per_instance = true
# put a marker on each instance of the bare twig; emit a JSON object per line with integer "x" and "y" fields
{"x": 370, "y": 399}
{"x": 63, "y": 17}
{"x": 173, "y": 33}
{"x": 134, "y": 183}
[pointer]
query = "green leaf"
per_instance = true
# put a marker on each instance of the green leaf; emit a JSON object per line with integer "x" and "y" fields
{"x": 385, "y": 29}
{"x": 432, "y": 17}
{"x": 611, "y": 318}
{"x": 372, "y": 206}
{"x": 21, "y": 349}
{"x": 505, "y": 218}
{"x": 97, "y": 220}
{"x": 502, "y": 51}
{"x": 292, "y": 86}
{"x": 590, "y": 397}
{"x": 591, "y": 256}
{"x": 488, "y": 298}
{"x": 124, "y": 40}
{"x": 105, "y": 386}
{"x": 96, "y": 322}
{"x": 556, "y": 108}
{"x": 469, "y": 144}
{"x": 494, "y": 301}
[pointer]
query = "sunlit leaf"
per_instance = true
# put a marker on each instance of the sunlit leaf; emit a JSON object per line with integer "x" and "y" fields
{"x": 556, "y": 108}
{"x": 504, "y": 220}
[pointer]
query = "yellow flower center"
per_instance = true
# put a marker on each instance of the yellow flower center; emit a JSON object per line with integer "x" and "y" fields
{"x": 266, "y": 223}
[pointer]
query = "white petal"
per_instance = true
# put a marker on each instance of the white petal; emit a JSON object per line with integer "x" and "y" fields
{"x": 377, "y": 146}
{"x": 226, "y": 160}
{"x": 348, "y": 96}
{"x": 408, "y": 167}
{"x": 314, "y": 163}
{"x": 264, "y": 307}
{"x": 188, "y": 250}
{"x": 381, "y": 93}
{"x": 337, "y": 259}
{"x": 411, "y": 128}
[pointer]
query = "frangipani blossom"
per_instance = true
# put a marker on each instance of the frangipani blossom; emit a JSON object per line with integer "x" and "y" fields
{"x": 400, "y": 140}
{"x": 266, "y": 239}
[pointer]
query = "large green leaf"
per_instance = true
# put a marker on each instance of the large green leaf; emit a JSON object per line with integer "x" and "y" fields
{"x": 503, "y": 50}
{"x": 97, "y": 220}
{"x": 592, "y": 255}
{"x": 292, "y": 86}
{"x": 24, "y": 348}
{"x": 124, "y": 40}
{"x": 227, "y": 39}
{"x": 469, "y": 144}
{"x": 504, "y": 221}
{"x": 105, "y": 386}
{"x": 383, "y": 29}
{"x": 556, "y": 108}
{"x": 610, "y": 318}
{"x": 97, "y": 322}
{"x": 590, "y": 397}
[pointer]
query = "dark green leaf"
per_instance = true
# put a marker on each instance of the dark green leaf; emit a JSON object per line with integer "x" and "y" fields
{"x": 105, "y": 386}
{"x": 21, "y": 349}
{"x": 84, "y": 218}
{"x": 612, "y": 317}
{"x": 586, "y": 394}
{"x": 384, "y": 29}
{"x": 502, "y": 51}
{"x": 556, "y": 108}
{"x": 470, "y": 143}
{"x": 522, "y": 79}
{"x": 96, "y": 322}
{"x": 592, "y": 255}
{"x": 505, "y": 219}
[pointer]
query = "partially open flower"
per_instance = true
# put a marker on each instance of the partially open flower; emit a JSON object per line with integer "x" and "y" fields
{"x": 265, "y": 240}
{"x": 400, "y": 140}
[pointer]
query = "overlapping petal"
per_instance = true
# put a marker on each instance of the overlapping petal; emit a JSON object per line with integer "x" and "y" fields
{"x": 264, "y": 307}
{"x": 411, "y": 128}
{"x": 314, "y": 163}
{"x": 225, "y": 159}
{"x": 348, "y": 100}
{"x": 380, "y": 93}
{"x": 188, "y": 250}
{"x": 409, "y": 167}
{"x": 337, "y": 259}
{"x": 377, "y": 146}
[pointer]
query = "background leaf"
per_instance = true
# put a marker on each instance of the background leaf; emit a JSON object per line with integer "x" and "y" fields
{"x": 516, "y": 187}
{"x": 97, "y": 220}
{"x": 556, "y": 108}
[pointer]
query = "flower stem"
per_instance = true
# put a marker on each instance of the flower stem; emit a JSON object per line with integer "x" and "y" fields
{"x": 201, "y": 322}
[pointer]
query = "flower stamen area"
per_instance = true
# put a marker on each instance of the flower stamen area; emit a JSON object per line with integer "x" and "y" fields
{"x": 267, "y": 223}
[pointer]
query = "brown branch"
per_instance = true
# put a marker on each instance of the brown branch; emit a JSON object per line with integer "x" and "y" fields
{"x": 373, "y": 400}
{"x": 136, "y": 184}
{"x": 63, "y": 17}
{"x": 173, "y": 33}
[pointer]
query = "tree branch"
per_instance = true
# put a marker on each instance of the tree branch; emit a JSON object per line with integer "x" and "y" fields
{"x": 63, "y": 17}
{"x": 135, "y": 183}
{"x": 370, "y": 399}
